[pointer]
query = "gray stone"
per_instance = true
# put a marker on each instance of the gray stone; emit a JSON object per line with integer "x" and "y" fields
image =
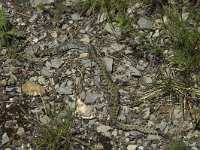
{"x": 97, "y": 80}
{"x": 30, "y": 54}
{"x": 7, "y": 149}
{"x": 128, "y": 51}
{"x": 12, "y": 79}
{"x": 151, "y": 137}
{"x": 145, "y": 23}
{"x": 146, "y": 113}
{"x": 127, "y": 140}
{"x": 128, "y": 73}
{"x": 177, "y": 112}
{"x": 156, "y": 34}
{"x": 62, "y": 114}
{"x": 46, "y": 72}
{"x": 68, "y": 72}
{"x": 135, "y": 134}
{"x": 154, "y": 146}
{"x": 71, "y": 104}
{"x": 4, "y": 139}
{"x": 82, "y": 31}
{"x": 7, "y": 63}
{"x": 105, "y": 50}
{"x": 132, "y": 147}
{"x": 92, "y": 121}
{"x": 36, "y": 111}
{"x": 147, "y": 79}
{"x": 70, "y": 2}
{"x": 99, "y": 106}
{"x": 103, "y": 128}
{"x": 116, "y": 31}
{"x": 121, "y": 68}
{"x": 125, "y": 108}
{"x": 195, "y": 148}
{"x": 56, "y": 63}
{"x": 101, "y": 17}
{"x": 90, "y": 98}
{"x": 65, "y": 26}
{"x": 141, "y": 147}
{"x": 33, "y": 18}
{"x": 114, "y": 133}
{"x": 41, "y": 80}
{"x": 86, "y": 63}
{"x": 106, "y": 134}
{"x": 108, "y": 28}
{"x": 120, "y": 77}
{"x": 109, "y": 63}
{"x": 9, "y": 89}
{"x": 48, "y": 64}
{"x": 42, "y": 36}
{"x": 198, "y": 28}
{"x": 82, "y": 95}
{"x": 35, "y": 40}
{"x": 35, "y": 3}
{"x": 70, "y": 83}
{"x": 54, "y": 34}
{"x": 185, "y": 15}
{"x": 83, "y": 55}
{"x": 161, "y": 126}
{"x": 134, "y": 71}
{"x": 122, "y": 117}
{"x": 33, "y": 79}
{"x": 141, "y": 65}
{"x": 64, "y": 90}
{"x": 20, "y": 131}
{"x": 63, "y": 84}
{"x": 114, "y": 47}
{"x": 76, "y": 16}
{"x": 85, "y": 39}
{"x": 45, "y": 119}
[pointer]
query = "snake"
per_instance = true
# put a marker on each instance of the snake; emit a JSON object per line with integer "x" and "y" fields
{"x": 111, "y": 88}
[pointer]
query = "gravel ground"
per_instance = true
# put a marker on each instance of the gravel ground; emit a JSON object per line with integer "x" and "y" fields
{"x": 61, "y": 79}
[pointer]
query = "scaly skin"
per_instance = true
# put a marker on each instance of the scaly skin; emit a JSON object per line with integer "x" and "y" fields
{"x": 112, "y": 90}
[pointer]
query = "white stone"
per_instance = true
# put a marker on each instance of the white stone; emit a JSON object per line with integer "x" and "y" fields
{"x": 75, "y": 16}
{"x": 132, "y": 147}
{"x": 20, "y": 131}
{"x": 185, "y": 15}
{"x": 85, "y": 39}
{"x": 5, "y": 139}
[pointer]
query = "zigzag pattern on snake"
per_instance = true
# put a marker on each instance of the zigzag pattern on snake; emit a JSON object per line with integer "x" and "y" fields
{"x": 112, "y": 91}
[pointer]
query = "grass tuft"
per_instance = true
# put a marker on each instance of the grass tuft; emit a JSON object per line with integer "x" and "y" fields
{"x": 59, "y": 10}
{"x": 185, "y": 39}
{"x": 181, "y": 80}
{"x": 178, "y": 145}
{"x": 58, "y": 133}
{"x": 4, "y": 28}
{"x": 116, "y": 11}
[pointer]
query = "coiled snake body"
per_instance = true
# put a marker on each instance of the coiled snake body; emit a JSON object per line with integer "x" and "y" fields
{"x": 112, "y": 92}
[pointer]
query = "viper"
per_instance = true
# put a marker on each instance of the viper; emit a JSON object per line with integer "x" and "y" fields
{"x": 112, "y": 91}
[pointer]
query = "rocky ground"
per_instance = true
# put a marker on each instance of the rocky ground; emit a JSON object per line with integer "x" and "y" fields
{"x": 62, "y": 79}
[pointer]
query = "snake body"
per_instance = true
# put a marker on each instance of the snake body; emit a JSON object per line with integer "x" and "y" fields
{"x": 112, "y": 90}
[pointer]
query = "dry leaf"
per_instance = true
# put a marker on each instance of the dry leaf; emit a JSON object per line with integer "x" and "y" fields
{"x": 33, "y": 89}
{"x": 85, "y": 111}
